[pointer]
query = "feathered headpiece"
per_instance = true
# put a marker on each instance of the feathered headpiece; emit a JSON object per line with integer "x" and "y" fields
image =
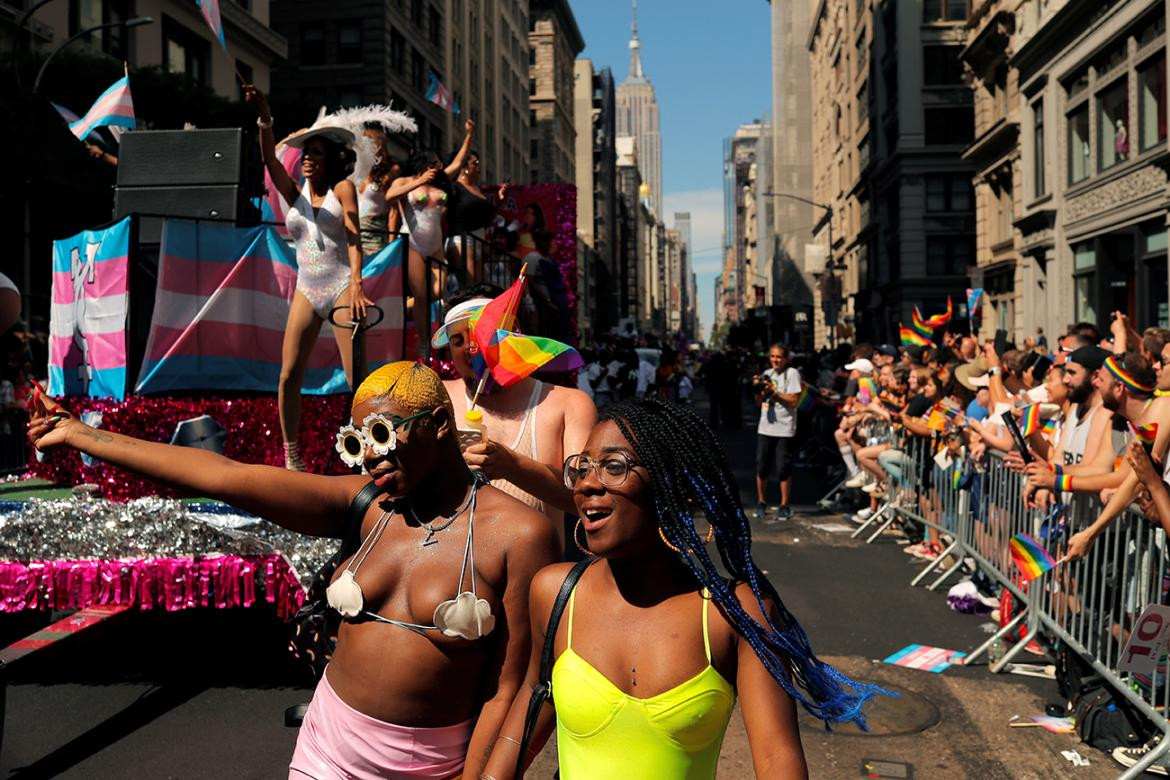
{"x": 356, "y": 119}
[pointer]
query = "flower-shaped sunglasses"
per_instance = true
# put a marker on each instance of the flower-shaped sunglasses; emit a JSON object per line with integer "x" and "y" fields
{"x": 379, "y": 432}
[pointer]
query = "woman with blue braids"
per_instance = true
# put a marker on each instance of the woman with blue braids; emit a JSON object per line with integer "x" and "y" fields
{"x": 654, "y": 645}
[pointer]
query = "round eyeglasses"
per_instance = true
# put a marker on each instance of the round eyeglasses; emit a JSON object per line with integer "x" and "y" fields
{"x": 379, "y": 432}
{"x": 612, "y": 470}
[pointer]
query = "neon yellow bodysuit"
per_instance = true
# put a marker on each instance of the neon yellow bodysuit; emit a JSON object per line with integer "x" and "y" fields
{"x": 605, "y": 733}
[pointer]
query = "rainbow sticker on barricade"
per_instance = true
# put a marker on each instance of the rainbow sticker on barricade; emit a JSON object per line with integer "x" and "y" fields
{"x": 925, "y": 658}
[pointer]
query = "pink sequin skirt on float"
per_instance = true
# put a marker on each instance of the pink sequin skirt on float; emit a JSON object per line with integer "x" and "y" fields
{"x": 337, "y": 741}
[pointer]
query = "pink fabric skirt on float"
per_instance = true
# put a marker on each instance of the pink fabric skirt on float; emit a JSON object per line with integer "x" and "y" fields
{"x": 337, "y": 741}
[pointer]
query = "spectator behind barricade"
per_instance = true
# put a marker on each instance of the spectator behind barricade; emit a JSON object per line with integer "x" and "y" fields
{"x": 884, "y": 355}
{"x": 1069, "y": 343}
{"x": 968, "y": 348}
{"x": 1126, "y": 385}
{"x": 859, "y": 369}
{"x": 977, "y": 410}
{"x": 1153, "y": 493}
{"x": 666, "y": 374}
{"x": 685, "y": 388}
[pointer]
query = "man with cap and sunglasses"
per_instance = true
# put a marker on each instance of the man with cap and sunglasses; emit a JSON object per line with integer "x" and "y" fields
{"x": 530, "y": 426}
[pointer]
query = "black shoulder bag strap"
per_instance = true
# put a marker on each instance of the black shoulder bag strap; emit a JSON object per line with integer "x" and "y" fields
{"x": 543, "y": 687}
{"x": 357, "y": 512}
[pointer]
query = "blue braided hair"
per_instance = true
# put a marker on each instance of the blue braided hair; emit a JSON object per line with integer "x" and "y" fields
{"x": 689, "y": 473}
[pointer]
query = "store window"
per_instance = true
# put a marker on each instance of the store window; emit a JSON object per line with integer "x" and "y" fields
{"x": 949, "y": 255}
{"x": 313, "y": 43}
{"x": 951, "y": 125}
{"x": 184, "y": 52}
{"x": 941, "y": 66}
{"x": 1078, "y": 145}
{"x": 1113, "y": 124}
{"x": 1152, "y": 102}
{"x": 1084, "y": 268}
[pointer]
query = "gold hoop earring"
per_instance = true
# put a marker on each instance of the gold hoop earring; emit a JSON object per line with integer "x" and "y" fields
{"x": 706, "y": 540}
{"x": 580, "y": 546}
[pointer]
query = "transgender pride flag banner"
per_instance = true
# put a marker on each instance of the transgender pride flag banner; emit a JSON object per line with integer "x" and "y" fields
{"x": 87, "y": 319}
{"x": 220, "y": 309}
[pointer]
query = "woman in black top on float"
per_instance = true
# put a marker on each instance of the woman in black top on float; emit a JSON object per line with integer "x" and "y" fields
{"x": 470, "y": 213}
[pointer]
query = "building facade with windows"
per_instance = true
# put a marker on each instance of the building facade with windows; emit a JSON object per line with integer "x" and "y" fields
{"x": 1092, "y": 222}
{"x": 891, "y": 119}
{"x": 348, "y": 53}
{"x": 554, "y": 41}
{"x": 179, "y": 40}
{"x": 596, "y": 180}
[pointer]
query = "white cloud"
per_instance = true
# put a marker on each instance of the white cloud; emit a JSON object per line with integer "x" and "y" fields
{"x": 706, "y": 209}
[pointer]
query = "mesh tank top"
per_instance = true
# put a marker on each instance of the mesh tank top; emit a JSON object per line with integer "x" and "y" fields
{"x": 525, "y": 444}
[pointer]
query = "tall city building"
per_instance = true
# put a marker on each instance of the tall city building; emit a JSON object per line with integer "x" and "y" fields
{"x": 593, "y": 114}
{"x": 688, "y": 303}
{"x": 555, "y": 41}
{"x": 631, "y": 218}
{"x": 747, "y": 222}
{"x": 892, "y": 118}
{"x": 637, "y": 116}
{"x": 791, "y": 169}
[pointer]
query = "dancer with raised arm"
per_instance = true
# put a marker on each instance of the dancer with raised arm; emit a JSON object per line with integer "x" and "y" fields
{"x": 434, "y": 641}
{"x": 323, "y": 221}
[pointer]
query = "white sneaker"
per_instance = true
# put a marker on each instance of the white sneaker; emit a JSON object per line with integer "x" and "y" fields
{"x": 871, "y": 488}
{"x": 862, "y": 516}
{"x": 1128, "y": 756}
{"x": 857, "y": 480}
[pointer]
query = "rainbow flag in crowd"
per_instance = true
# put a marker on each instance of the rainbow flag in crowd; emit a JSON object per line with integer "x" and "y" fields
{"x": 438, "y": 94}
{"x": 113, "y": 108}
{"x": 1030, "y": 420}
{"x": 866, "y": 390}
{"x": 891, "y": 405}
{"x": 1146, "y": 434}
{"x": 210, "y": 11}
{"x": 921, "y": 325}
{"x": 912, "y": 338}
{"x": 1029, "y": 557}
{"x": 221, "y": 303}
{"x": 807, "y": 401}
{"x": 1048, "y": 427}
{"x": 87, "y": 317}
{"x": 939, "y": 320}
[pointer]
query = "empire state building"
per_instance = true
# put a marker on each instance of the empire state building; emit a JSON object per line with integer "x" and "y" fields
{"x": 637, "y": 115}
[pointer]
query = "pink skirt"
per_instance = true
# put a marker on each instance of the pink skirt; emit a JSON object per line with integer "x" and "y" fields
{"x": 337, "y": 741}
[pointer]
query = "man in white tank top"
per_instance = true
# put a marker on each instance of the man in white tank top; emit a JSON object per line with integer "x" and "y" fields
{"x": 531, "y": 426}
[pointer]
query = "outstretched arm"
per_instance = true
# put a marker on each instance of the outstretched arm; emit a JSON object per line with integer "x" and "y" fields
{"x": 284, "y": 183}
{"x": 306, "y": 503}
{"x": 456, "y": 165}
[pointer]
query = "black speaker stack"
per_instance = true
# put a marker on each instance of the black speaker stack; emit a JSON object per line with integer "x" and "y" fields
{"x": 200, "y": 174}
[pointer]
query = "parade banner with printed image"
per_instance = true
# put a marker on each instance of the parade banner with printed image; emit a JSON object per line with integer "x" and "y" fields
{"x": 221, "y": 307}
{"x": 87, "y": 319}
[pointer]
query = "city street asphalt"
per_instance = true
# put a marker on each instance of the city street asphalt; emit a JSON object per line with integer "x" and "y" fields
{"x": 201, "y": 694}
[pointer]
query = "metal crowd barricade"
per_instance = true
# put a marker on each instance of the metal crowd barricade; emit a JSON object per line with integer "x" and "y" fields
{"x": 1090, "y": 605}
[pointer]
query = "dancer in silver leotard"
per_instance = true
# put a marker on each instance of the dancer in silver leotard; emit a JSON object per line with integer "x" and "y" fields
{"x": 322, "y": 266}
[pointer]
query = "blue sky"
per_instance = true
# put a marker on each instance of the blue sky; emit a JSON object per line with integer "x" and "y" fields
{"x": 711, "y": 69}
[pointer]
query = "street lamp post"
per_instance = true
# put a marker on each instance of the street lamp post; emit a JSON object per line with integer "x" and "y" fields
{"x": 830, "y": 265}
{"x": 135, "y": 22}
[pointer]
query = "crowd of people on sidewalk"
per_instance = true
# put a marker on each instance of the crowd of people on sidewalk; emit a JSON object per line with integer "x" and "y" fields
{"x": 1092, "y": 414}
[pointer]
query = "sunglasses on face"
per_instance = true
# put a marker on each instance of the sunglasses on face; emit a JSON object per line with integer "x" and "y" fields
{"x": 612, "y": 470}
{"x": 379, "y": 432}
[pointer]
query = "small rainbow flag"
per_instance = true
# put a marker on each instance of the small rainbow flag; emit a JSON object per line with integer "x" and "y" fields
{"x": 890, "y": 404}
{"x": 912, "y": 338}
{"x": 920, "y": 324}
{"x": 938, "y": 419}
{"x": 1146, "y": 434}
{"x": 1049, "y": 427}
{"x": 1030, "y": 420}
{"x": 938, "y": 320}
{"x": 866, "y": 390}
{"x": 807, "y": 401}
{"x": 1029, "y": 557}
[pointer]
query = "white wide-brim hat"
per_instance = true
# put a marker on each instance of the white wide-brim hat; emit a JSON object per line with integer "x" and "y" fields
{"x": 334, "y": 133}
{"x": 459, "y": 313}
